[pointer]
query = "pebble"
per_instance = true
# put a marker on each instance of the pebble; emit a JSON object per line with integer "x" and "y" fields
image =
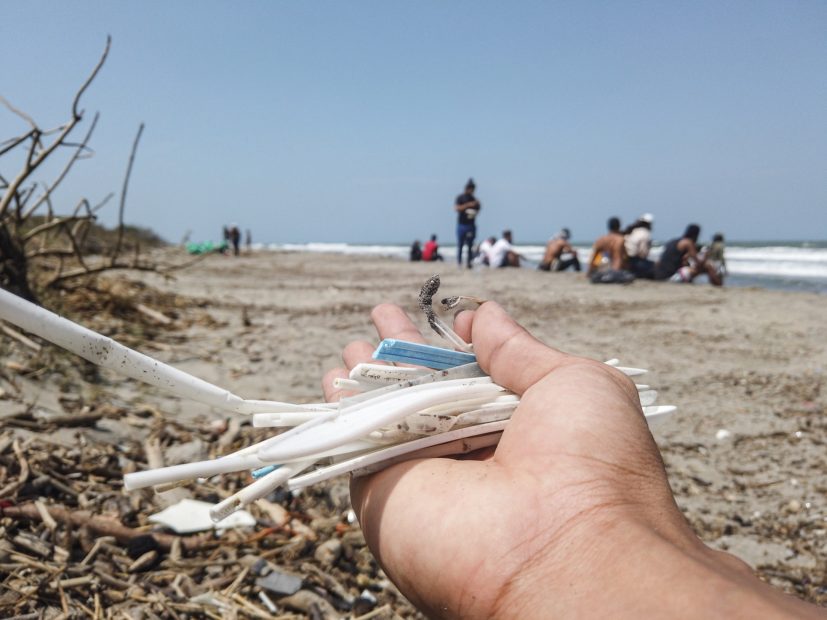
{"x": 328, "y": 552}
{"x": 311, "y": 604}
{"x": 280, "y": 583}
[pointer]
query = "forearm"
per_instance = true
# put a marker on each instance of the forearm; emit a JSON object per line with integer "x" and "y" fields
{"x": 643, "y": 575}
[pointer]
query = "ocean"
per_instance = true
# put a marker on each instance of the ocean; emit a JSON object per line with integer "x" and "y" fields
{"x": 794, "y": 266}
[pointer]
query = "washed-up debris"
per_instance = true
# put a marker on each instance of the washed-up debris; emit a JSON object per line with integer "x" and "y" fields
{"x": 67, "y": 524}
{"x": 190, "y": 515}
{"x": 280, "y": 583}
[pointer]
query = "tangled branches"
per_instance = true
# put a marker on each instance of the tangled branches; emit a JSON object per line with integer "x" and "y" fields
{"x": 40, "y": 247}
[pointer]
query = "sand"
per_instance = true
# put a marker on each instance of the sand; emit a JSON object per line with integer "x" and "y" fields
{"x": 745, "y": 453}
{"x": 746, "y": 367}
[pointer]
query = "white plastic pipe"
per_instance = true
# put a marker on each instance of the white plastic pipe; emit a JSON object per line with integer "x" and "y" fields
{"x": 359, "y": 420}
{"x": 108, "y": 353}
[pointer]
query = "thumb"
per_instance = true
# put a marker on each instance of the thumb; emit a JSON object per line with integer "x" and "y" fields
{"x": 505, "y": 350}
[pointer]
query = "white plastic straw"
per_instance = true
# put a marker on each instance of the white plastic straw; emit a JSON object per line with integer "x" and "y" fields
{"x": 104, "y": 351}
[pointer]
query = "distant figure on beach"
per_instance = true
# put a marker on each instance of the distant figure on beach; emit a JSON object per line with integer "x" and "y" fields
{"x": 503, "y": 253}
{"x": 235, "y": 238}
{"x": 555, "y": 248}
{"x": 248, "y": 240}
{"x": 714, "y": 255}
{"x": 608, "y": 263}
{"x": 431, "y": 250}
{"x": 467, "y": 207}
{"x": 638, "y": 244}
{"x": 416, "y": 251}
{"x": 483, "y": 254}
{"x": 681, "y": 262}
{"x": 225, "y": 243}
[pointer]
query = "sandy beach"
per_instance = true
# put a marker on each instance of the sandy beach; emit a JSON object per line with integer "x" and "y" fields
{"x": 747, "y": 364}
{"x": 746, "y": 367}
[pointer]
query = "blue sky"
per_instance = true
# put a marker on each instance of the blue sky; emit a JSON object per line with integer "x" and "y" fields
{"x": 361, "y": 121}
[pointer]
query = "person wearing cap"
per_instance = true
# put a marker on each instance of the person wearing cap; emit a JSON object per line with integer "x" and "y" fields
{"x": 638, "y": 242}
{"x": 555, "y": 248}
{"x": 467, "y": 207}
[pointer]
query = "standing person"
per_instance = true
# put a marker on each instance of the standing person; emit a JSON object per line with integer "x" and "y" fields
{"x": 431, "y": 250}
{"x": 225, "y": 243}
{"x": 235, "y": 238}
{"x": 248, "y": 240}
{"x": 609, "y": 263}
{"x": 638, "y": 244}
{"x": 680, "y": 261}
{"x": 467, "y": 206}
{"x": 555, "y": 248}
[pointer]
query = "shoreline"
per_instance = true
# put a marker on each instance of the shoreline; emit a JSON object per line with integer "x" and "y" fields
{"x": 801, "y": 266}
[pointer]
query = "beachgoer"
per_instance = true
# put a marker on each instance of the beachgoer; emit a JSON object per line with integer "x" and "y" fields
{"x": 714, "y": 256}
{"x": 638, "y": 243}
{"x": 224, "y": 248}
{"x": 608, "y": 263}
{"x": 555, "y": 248}
{"x": 235, "y": 238}
{"x": 248, "y": 240}
{"x": 467, "y": 207}
{"x": 416, "y": 251}
{"x": 503, "y": 254}
{"x": 680, "y": 261}
{"x": 571, "y": 516}
{"x": 431, "y": 250}
{"x": 483, "y": 255}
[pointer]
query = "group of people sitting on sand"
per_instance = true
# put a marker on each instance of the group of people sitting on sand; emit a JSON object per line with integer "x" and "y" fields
{"x": 620, "y": 256}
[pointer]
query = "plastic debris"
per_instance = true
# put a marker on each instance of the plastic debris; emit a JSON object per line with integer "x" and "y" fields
{"x": 190, "y": 515}
{"x": 282, "y": 584}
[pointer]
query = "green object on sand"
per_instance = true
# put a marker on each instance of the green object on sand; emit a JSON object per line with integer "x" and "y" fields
{"x": 205, "y": 247}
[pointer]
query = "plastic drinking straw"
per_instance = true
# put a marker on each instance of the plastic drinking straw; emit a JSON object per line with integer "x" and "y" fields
{"x": 386, "y": 454}
{"x": 359, "y": 420}
{"x": 108, "y": 353}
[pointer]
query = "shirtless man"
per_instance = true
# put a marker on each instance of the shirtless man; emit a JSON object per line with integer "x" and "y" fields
{"x": 555, "y": 248}
{"x": 611, "y": 245}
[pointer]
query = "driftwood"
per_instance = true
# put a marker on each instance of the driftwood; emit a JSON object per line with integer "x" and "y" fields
{"x": 104, "y": 526}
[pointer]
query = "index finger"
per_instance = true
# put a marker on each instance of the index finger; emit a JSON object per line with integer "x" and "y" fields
{"x": 391, "y": 321}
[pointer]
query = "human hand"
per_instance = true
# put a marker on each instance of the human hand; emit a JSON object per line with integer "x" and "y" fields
{"x": 571, "y": 515}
